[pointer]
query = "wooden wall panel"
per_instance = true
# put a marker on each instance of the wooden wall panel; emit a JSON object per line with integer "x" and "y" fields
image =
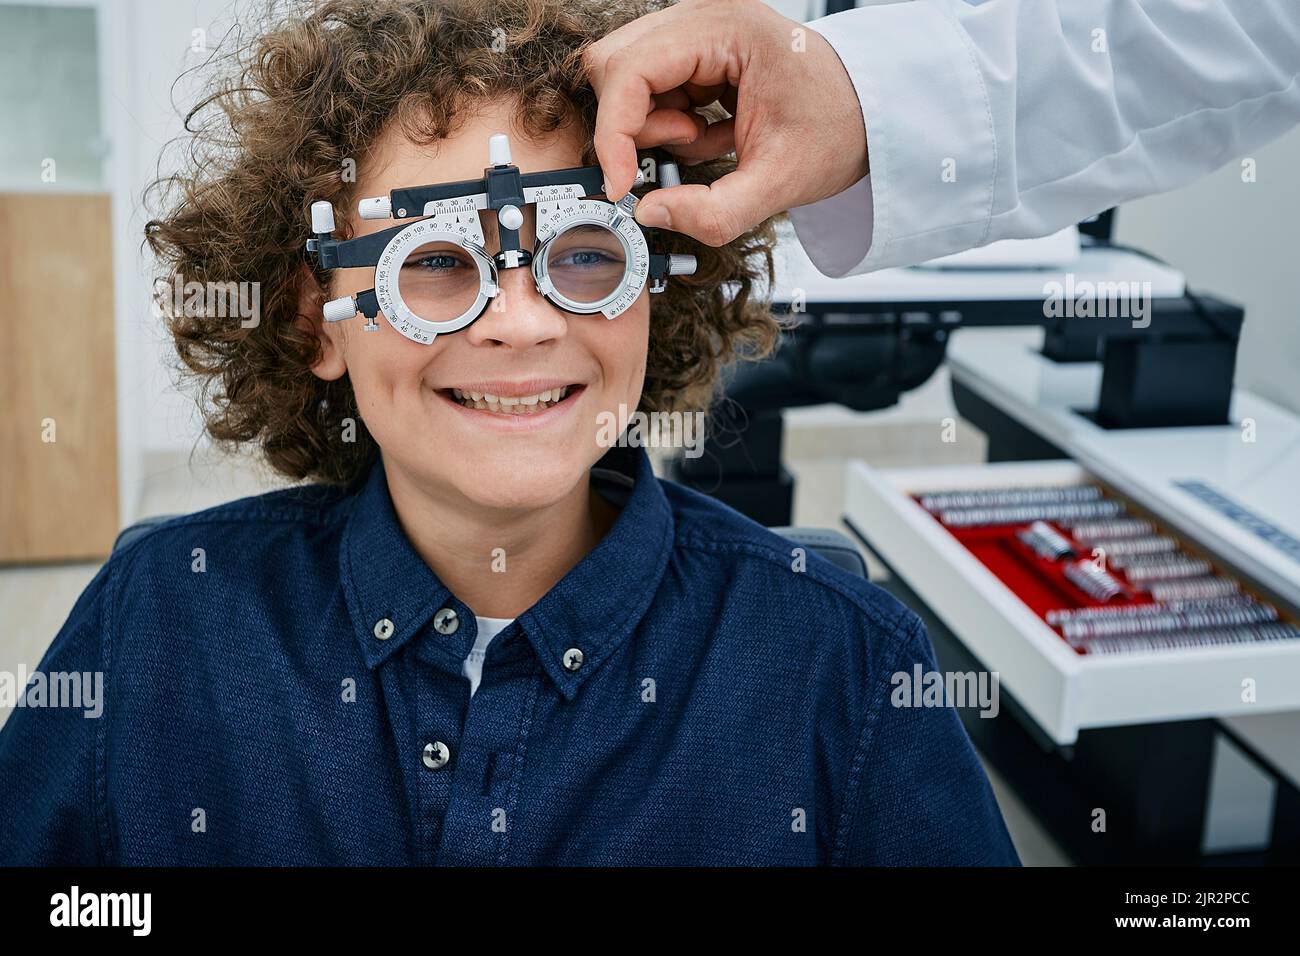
{"x": 58, "y": 499}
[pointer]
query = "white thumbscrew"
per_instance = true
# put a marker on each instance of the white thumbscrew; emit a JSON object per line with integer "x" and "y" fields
{"x": 681, "y": 265}
{"x": 336, "y": 310}
{"x": 669, "y": 175}
{"x": 499, "y": 150}
{"x": 379, "y": 207}
{"x": 322, "y": 217}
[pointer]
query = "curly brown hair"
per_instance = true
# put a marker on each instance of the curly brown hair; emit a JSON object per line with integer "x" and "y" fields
{"x": 285, "y": 113}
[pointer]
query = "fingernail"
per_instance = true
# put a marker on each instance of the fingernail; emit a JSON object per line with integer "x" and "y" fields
{"x": 656, "y": 217}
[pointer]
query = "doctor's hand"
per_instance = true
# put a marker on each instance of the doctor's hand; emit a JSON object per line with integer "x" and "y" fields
{"x": 796, "y": 125}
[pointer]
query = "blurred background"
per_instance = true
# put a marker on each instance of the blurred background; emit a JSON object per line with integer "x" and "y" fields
{"x": 89, "y": 94}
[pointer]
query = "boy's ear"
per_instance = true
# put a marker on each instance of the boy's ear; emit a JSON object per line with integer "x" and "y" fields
{"x": 311, "y": 319}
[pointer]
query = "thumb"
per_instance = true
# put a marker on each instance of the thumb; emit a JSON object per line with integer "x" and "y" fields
{"x": 714, "y": 214}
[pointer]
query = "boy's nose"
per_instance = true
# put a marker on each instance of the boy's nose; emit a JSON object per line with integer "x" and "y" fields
{"x": 519, "y": 315}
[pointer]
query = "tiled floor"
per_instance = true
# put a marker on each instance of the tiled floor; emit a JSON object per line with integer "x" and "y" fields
{"x": 34, "y": 601}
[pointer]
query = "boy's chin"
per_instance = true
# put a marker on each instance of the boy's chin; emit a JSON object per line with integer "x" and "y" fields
{"x": 521, "y": 488}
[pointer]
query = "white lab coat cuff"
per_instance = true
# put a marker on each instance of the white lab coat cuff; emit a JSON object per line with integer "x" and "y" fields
{"x": 930, "y": 143}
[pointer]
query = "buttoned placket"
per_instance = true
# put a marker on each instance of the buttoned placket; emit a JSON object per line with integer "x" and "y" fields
{"x": 485, "y": 786}
{"x": 461, "y": 754}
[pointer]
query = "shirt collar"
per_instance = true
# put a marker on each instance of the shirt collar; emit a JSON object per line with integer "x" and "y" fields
{"x": 592, "y": 609}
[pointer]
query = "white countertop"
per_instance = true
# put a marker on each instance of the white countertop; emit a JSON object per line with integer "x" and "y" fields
{"x": 795, "y": 271}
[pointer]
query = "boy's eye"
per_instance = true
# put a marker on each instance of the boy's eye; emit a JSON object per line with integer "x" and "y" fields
{"x": 438, "y": 260}
{"x": 585, "y": 257}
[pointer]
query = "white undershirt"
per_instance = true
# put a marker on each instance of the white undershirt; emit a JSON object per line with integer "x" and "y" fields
{"x": 488, "y": 628}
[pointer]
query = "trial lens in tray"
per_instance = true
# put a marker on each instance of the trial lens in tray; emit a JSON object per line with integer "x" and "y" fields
{"x": 1107, "y": 580}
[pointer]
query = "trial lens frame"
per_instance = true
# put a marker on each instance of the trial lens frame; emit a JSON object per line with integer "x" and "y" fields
{"x": 448, "y": 212}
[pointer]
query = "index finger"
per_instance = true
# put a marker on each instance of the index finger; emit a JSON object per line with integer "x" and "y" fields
{"x": 618, "y": 159}
{"x": 654, "y": 63}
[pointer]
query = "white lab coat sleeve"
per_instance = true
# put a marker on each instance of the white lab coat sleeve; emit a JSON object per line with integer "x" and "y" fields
{"x": 1015, "y": 118}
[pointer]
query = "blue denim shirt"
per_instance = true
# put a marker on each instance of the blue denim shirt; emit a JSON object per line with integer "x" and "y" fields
{"x": 728, "y": 707}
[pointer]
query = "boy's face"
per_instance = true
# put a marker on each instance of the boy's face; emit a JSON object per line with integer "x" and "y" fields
{"x": 505, "y": 456}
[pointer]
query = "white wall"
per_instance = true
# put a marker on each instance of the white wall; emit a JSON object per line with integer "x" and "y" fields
{"x": 151, "y": 47}
{"x": 1238, "y": 240}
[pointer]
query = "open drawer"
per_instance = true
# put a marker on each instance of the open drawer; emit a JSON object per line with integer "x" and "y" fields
{"x": 1062, "y": 690}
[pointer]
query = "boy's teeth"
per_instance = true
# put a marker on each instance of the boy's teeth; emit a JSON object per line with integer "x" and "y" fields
{"x": 514, "y": 405}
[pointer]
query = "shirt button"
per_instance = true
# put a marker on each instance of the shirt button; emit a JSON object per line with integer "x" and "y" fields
{"x": 436, "y": 755}
{"x": 446, "y": 621}
{"x": 384, "y": 629}
{"x": 573, "y": 659}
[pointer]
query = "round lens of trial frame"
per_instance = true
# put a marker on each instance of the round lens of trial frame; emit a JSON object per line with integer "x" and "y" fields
{"x": 438, "y": 281}
{"x": 586, "y": 263}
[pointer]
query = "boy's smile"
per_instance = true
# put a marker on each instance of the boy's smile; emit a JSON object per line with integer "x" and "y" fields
{"x": 524, "y": 404}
